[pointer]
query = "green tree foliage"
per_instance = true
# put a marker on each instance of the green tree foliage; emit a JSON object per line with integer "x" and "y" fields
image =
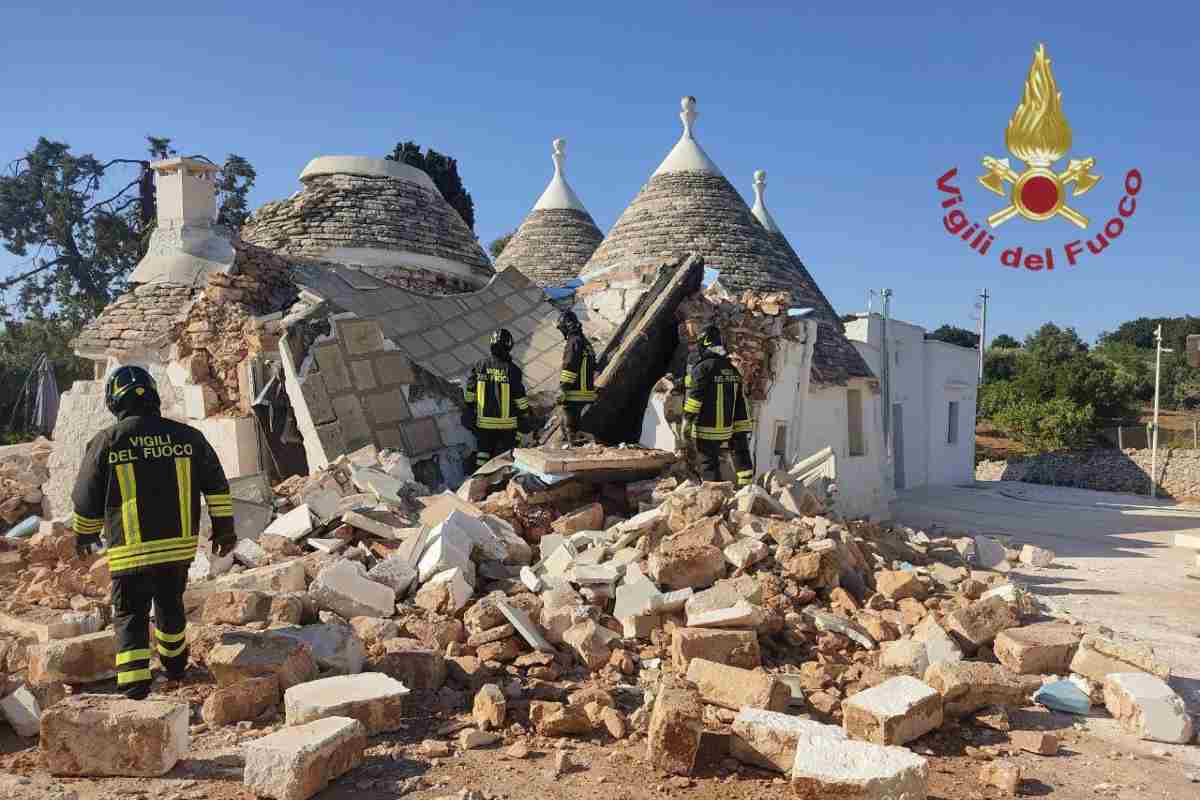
{"x": 21, "y": 343}
{"x": 955, "y": 335}
{"x": 1132, "y": 348}
{"x": 995, "y": 396}
{"x": 82, "y": 224}
{"x": 444, "y": 172}
{"x": 1005, "y": 342}
{"x": 1052, "y": 343}
{"x": 1047, "y": 425}
{"x": 499, "y": 243}
{"x": 1001, "y": 365}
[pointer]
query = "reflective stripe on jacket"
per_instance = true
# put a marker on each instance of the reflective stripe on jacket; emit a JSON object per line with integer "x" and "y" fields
{"x": 142, "y": 480}
{"x": 497, "y": 392}
{"x": 578, "y": 378}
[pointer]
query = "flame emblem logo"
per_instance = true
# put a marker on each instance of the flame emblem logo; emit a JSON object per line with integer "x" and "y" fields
{"x": 1039, "y": 135}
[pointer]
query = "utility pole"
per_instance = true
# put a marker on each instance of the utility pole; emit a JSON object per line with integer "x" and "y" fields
{"x": 983, "y": 297}
{"x": 1157, "y": 372}
{"x": 886, "y": 376}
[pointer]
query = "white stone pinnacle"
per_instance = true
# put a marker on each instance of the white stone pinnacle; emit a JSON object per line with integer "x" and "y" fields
{"x": 760, "y": 204}
{"x": 559, "y": 193}
{"x": 687, "y": 155}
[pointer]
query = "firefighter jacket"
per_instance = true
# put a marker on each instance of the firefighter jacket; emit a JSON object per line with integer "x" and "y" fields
{"x": 142, "y": 480}
{"x": 578, "y": 377}
{"x": 717, "y": 398}
{"x": 496, "y": 391}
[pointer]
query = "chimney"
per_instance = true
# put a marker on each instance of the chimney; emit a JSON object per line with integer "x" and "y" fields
{"x": 186, "y": 191}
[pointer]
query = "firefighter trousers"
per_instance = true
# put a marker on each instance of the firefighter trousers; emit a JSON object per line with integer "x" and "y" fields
{"x": 489, "y": 444}
{"x": 132, "y": 595}
{"x": 710, "y": 456}
{"x": 568, "y": 416}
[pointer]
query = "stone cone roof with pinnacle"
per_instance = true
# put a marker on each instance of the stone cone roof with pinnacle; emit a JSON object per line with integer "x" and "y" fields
{"x": 689, "y": 206}
{"x": 834, "y": 357}
{"x": 557, "y": 238}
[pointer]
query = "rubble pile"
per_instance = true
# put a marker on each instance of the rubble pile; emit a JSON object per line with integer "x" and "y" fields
{"x": 22, "y": 472}
{"x": 585, "y": 592}
{"x": 750, "y": 323}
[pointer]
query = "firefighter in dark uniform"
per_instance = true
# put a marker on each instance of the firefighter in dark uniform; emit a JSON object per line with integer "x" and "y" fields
{"x": 717, "y": 410}
{"x": 142, "y": 480}
{"x": 495, "y": 405}
{"x": 577, "y": 381}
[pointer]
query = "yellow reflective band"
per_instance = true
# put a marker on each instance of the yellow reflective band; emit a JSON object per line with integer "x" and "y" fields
{"x": 133, "y": 655}
{"x": 523, "y": 403}
{"x": 129, "y": 510}
{"x": 720, "y": 420}
{"x": 133, "y": 676}
{"x": 84, "y": 524}
{"x": 152, "y": 547}
{"x": 687, "y": 380}
{"x": 568, "y": 377}
{"x": 576, "y": 395}
{"x": 170, "y": 637}
{"x": 480, "y": 397}
{"x": 218, "y": 497}
{"x": 583, "y": 372}
{"x": 505, "y": 400}
{"x": 743, "y": 426}
{"x": 137, "y": 562}
{"x": 183, "y": 482}
{"x": 692, "y": 406}
{"x": 748, "y": 473}
{"x": 168, "y": 652}
{"x": 497, "y": 424}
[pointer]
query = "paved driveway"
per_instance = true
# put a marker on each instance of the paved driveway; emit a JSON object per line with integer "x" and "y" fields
{"x": 1116, "y": 565}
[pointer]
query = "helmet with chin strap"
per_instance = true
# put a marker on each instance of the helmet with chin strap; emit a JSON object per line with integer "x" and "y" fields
{"x": 710, "y": 337}
{"x": 128, "y": 386}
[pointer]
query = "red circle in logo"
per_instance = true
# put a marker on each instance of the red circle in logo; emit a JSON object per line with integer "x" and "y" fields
{"x": 1039, "y": 194}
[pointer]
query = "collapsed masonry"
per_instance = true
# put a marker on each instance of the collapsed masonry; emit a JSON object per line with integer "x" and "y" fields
{"x": 581, "y": 592}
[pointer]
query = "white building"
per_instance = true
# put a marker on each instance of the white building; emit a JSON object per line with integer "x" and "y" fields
{"x": 932, "y": 392}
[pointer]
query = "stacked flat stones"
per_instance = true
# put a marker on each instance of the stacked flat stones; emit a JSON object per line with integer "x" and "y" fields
{"x": 377, "y": 206}
{"x": 557, "y": 238}
{"x": 144, "y": 320}
{"x": 689, "y": 206}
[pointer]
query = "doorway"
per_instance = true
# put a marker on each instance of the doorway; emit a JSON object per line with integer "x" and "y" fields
{"x": 898, "y": 443}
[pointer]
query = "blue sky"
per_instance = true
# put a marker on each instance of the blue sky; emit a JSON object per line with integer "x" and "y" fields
{"x": 854, "y": 117}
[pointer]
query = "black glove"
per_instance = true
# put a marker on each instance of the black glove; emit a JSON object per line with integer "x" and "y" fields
{"x": 468, "y": 418}
{"x": 87, "y": 544}
{"x": 525, "y": 423}
{"x": 223, "y": 543}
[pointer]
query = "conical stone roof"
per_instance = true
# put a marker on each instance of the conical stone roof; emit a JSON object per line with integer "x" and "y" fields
{"x": 376, "y": 215}
{"x": 689, "y": 206}
{"x": 557, "y": 238}
{"x": 834, "y": 357}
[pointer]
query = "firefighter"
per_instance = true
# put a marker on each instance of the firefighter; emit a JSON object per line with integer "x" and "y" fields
{"x": 717, "y": 410}
{"x": 142, "y": 479}
{"x": 577, "y": 381}
{"x": 495, "y": 405}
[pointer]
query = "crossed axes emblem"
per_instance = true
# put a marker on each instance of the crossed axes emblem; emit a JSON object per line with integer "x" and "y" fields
{"x": 1047, "y": 190}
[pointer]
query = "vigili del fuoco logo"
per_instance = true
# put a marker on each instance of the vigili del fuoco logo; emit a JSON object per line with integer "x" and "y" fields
{"x": 1038, "y": 135}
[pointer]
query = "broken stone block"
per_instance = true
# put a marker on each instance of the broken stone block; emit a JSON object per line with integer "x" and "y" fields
{"x": 297, "y": 762}
{"x": 530, "y": 580}
{"x": 735, "y": 688}
{"x": 22, "y": 711}
{"x": 686, "y": 566}
{"x": 977, "y": 624}
{"x": 108, "y": 735}
{"x": 1003, "y": 775}
{"x": 967, "y": 686}
{"x": 1147, "y": 707}
{"x": 490, "y": 707}
{"x": 1040, "y": 742}
{"x": 344, "y": 589}
{"x": 525, "y": 626}
{"x": 557, "y": 719}
{"x": 445, "y": 592}
{"x": 78, "y": 660}
{"x": 294, "y": 525}
{"x": 374, "y": 699}
{"x": 746, "y": 552}
{"x": 825, "y": 621}
{"x": 248, "y": 552}
{"x": 410, "y": 662}
{"x": 939, "y": 645}
{"x": 588, "y": 518}
{"x": 336, "y": 648}
{"x": 673, "y": 737}
{"x": 248, "y": 699}
{"x": 740, "y": 615}
{"x": 723, "y": 594}
{"x": 905, "y": 656}
{"x": 239, "y": 656}
{"x": 287, "y": 609}
{"x": 1063, "y": 696}
{"x": 899, "y": 584}
{"x": 236, "y": 607}
{"x": 633, "y": 599}
{"x": 287, "y": 576}
{"x": 1036, "y": 556}
{"x": 206, "y": 566}
{"x": 1098, "y": 657}
{"x": 592, "y": 643}
{"x": 449, "y": 546}
{"x": 640, "y": 626}
{"x": 768, "y": 739}
{"x": 1044, "y": 648}
{"x": 825, "y": 767}
{"x": 732, "y": 647}
{"x": 473, "y": 739}
{"x": 894, "y": 712}
{"x": 990, "y": 554}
